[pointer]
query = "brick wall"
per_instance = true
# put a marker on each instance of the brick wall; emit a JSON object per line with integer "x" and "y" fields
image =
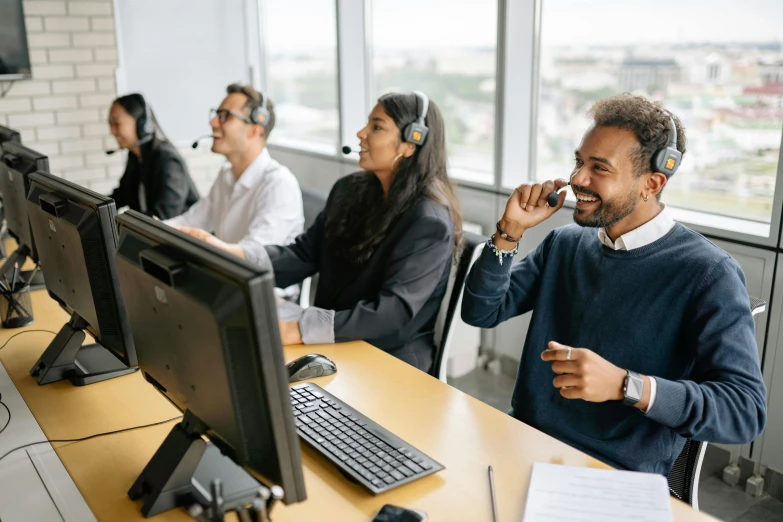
{"x": 62, "y": 112}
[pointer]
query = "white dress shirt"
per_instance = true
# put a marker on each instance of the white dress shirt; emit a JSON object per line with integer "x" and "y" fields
{"x": 641, "y": 236}
{"x": 262, "y": 207}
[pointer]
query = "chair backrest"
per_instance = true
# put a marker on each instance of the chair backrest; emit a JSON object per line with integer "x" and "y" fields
{"x": 684, "y": 475}
{"x": 313, "y": 203}
{"x": 452, "y": 301}
{"x": 757, "y": 305}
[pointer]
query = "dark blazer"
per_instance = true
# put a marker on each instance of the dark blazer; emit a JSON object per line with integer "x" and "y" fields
{"x": 168, "y": 186}
{"x": 392, "y": 301}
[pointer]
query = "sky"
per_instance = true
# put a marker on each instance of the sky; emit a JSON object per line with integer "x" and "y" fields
{"x": 629, "y": 21}
{"x": 426, "y": 24}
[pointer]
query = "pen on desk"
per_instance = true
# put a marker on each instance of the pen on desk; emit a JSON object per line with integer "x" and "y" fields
{"x": 492, "y": 494}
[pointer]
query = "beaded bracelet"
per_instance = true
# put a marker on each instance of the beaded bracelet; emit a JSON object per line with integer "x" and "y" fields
{"x": 500, "y": 253}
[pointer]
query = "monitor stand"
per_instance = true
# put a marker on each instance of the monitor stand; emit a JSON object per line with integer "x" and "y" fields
{"x": 184, "y": 467}
{"x": 66, "y": 358}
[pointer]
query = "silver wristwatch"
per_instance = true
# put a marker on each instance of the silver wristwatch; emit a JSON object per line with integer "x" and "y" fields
{"x": 633, "y": 388}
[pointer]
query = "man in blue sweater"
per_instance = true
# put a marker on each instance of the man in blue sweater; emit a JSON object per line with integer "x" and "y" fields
{"x": 641, "y": 334}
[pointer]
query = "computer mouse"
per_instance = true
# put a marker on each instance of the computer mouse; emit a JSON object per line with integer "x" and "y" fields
{"x": 309, "y": 366}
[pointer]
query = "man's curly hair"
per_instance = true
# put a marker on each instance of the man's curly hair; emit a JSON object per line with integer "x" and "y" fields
{"x": 646, "y": 119}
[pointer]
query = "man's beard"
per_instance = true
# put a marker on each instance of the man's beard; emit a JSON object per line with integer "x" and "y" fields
{"x": 608, "y": 212}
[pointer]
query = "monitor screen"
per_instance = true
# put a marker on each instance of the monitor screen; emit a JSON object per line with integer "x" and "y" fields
{"x": 76, "y": 238}
{"x": 19, "y": 162}
{"x": 14, "y": 55}
{"x": 205, "y": 328}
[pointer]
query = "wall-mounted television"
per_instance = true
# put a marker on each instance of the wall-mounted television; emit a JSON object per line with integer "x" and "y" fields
{"x": 14, "y": 54}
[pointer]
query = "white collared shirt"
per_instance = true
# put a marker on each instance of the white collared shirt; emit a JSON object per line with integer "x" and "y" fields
{"x": 641, "y": 236}
{"x": 262, "y": 207}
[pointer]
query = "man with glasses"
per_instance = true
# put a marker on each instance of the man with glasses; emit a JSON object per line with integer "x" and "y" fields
{"x": 254, "y": 201}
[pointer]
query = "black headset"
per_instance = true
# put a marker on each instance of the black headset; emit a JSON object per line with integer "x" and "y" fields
{"x": 145, "y": 127}
{"x": 260, "y": 115}
{"x": 417, "y": 131}
{"x": 667, "y": 160}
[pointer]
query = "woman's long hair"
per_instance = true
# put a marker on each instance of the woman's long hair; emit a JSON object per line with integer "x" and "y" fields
{"x": 134, "y": 105}
{"x": 360, "y": 219}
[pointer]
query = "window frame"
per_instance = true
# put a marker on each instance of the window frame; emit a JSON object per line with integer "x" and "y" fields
{"x": 518, "y": 54}
{"x": 259, "y": 73}
{"x": 734, "y": 229}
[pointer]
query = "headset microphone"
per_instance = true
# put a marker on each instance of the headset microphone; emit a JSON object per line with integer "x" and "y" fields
{"x": 142, "y": 141}
{"x": 205, "y": 136}
{"x": 347, "y": 150}
{"x": 553, "y": 199}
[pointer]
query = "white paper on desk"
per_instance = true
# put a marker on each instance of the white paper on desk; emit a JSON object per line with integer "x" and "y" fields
{"x": 586, "y": 495}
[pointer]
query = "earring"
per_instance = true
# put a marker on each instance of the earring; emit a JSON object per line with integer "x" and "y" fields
{"x": 645, "y": 198}
{"x": 394, "y": 163}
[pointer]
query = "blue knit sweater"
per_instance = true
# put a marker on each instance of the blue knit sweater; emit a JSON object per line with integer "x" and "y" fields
{"x": 676, "y": 309}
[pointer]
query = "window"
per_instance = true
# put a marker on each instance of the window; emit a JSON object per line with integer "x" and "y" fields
{"x": 301, "y": 67}
{"x": 446, "y": 49}
{"x": 722, "y": 78}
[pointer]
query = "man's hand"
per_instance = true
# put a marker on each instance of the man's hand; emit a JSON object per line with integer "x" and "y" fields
{"x": 289, "y": 332}
{"x": 586, "y": 375}
{"x": 208, "y": 238}
{"x": 527, "y": 206}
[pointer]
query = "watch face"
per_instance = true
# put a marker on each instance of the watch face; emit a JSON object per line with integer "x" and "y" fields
{"x": 634, "y": 386}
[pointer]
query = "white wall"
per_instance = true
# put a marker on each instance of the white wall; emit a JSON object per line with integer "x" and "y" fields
{"x": 62, "y": 111}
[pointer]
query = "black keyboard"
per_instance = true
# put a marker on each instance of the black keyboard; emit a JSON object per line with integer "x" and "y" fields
{"x": 363, "y": 450}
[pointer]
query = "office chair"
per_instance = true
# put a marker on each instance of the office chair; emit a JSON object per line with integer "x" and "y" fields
{"x": 452, "y": 301}
{"x": 313, "y": 203}
{"x": 684, "y": 475}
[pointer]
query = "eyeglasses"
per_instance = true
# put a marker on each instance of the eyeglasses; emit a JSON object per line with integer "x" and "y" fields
{"x": 223, "y": 115}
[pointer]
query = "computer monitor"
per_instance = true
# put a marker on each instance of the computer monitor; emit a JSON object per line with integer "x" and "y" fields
{"x": 6, "y": 134}
{"x": 205, "y": 328}
{"x": 76, "y": 237}
{"x": 19, "y": 162}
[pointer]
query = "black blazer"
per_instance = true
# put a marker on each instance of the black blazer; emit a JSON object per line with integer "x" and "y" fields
{"x": 168, "y": 186}
{"x": 393, "y": 300}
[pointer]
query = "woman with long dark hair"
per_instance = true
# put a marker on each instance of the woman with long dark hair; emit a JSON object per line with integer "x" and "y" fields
{"x": 384, "y": 243}
{"x": 156, "y": 181}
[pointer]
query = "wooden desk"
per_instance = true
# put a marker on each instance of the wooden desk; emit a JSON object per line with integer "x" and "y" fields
{"x": 460, "y": 432}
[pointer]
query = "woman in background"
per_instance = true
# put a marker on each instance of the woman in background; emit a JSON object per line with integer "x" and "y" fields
{"x": 156, "y": 181}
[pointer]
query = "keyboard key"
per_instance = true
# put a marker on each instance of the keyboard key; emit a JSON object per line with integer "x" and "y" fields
{"x": 412, "y": 466}
{"x": 405, "y": 471}
{"x": 389, "y": 480}
{"x": 397, "y": 475}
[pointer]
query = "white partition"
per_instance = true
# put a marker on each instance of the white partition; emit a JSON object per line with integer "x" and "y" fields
{"x": 181, "y": 55}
